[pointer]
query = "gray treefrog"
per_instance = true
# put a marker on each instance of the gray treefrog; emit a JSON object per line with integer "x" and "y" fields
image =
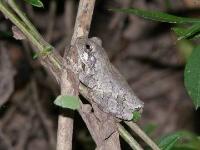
{"x": 107, "y": 87}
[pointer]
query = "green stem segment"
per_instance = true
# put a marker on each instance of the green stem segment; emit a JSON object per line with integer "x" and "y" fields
{"x": 25, "y": 26}
{"x": 15, "y": 20}
{"x": 128, "y": 138}
{"x": 23, "y": 17}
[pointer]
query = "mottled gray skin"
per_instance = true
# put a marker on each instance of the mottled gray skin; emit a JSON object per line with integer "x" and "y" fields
{"x": 107, "y": 86}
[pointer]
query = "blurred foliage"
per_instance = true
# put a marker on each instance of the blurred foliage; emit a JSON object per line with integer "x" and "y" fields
{"x": 158, "y": 16}
{"x": 36, "y": 3}
{"x": 167, "y": 142}
{"x": 180, "y": 140}
{"x": 187, "y": 141}
{"x": 192, "y": 76}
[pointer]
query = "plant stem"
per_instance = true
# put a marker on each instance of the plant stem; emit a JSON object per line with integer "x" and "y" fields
{"x": 128, "y": 138}
{"x": 15, "y": 20}
{"x": 142, "y": 135}
{"x": 37, "y": 36}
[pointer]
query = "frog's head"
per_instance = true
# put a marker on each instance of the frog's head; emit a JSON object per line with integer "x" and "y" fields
{"x": 131, "y": 108}
{"x": 87, "y": 50}
{"x": 134, "y": 105}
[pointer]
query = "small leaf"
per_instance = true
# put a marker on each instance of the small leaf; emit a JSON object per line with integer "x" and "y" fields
{"x": 179, "y": 31}
{"x": 36, "y": 3}
{"x": 158, "y": 16}
{"x": 189, "y": 32}
{"x": 136, "y": 116}
{"x": 192, "y": 76}
{"x": 184, "y": 33}
{"x": 167, "y": 142}
{"x": 71, "y": 102}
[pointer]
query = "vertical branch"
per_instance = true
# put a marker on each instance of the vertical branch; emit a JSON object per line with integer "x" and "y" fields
{"x": 83, "y": 20}
{"x": 65, "y": 131}
{"x": 69, "y": 78}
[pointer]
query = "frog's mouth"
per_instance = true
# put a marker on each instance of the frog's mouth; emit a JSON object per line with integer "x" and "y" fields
{"x": 139, "y": 109}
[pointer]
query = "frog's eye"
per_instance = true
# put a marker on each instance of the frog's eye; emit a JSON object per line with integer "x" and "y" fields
{"x": 88, "y": 47}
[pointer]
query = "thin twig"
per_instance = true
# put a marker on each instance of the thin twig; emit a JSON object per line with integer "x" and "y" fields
{"x": 128, "y": 138}
{"x": 83, "y": 19}
{"x": 142, "y": 135}
{"x": 13, "y": 18}
{"x": 34, "y": 31}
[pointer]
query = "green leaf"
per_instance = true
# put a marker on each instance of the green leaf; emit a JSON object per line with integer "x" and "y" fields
{"x": 136, "y": 116}
{"x": 191, "y": 145}
{"x": 167, "y": 142}
{"x": 36, "y": 3}
{"x": 187, "y": 135}
{"x": 179, "y": 31}
{"x": 187, "y": 33}
{"x": 192, "y": 76}
{"x": 71, "y": 102}
{"x": 184, "y": 33}
{"x": 158, "y": 16}
{"x": 190, "y": 141}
